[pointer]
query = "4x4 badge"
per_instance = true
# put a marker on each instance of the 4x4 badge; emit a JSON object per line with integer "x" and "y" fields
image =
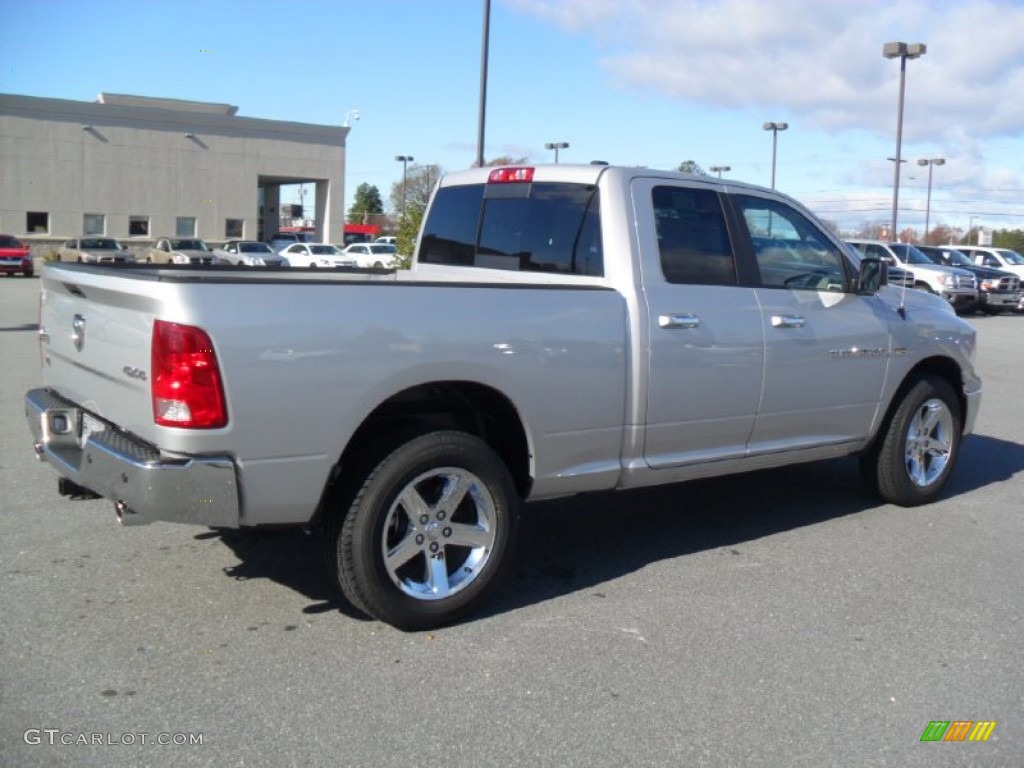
{"x": 78, "y": 331}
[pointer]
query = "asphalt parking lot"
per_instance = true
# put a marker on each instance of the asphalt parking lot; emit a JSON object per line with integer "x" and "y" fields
{"x": 784, "y": 618}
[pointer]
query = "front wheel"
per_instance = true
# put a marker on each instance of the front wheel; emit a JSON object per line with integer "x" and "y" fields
{"x": 428, "y": 533}
{"x": 914, "y": 457}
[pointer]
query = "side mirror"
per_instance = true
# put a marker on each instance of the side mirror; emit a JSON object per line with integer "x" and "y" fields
{"x": 874, "y": 273}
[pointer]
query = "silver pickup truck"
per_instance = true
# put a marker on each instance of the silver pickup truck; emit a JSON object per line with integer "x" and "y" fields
{"x": 564, "y": 329}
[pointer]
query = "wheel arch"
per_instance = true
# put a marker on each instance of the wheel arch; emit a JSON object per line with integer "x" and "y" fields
{"x": 466, "y": 406}
{"x": 939, "y": 366}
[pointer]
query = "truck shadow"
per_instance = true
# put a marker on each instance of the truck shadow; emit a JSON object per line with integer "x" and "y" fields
{"x": 579, "y": 543}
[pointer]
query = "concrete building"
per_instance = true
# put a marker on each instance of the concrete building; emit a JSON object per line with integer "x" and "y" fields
{"x": 136, "y": 168}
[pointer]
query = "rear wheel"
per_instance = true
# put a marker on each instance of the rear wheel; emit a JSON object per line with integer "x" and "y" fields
{"x": 429, "y": 532}
{"x": 913, "y": 459}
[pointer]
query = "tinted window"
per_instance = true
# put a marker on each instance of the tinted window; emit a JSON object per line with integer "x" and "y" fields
{"x": 450, "y": 233}
{"x": 791, "y": 251}
{"x": 540, "y": 227}
{"x": 692, "y": 237}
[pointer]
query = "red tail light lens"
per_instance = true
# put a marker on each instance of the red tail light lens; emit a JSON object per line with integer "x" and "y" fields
{"x": 186, "y": 383}
{"x": 510, "y": 175}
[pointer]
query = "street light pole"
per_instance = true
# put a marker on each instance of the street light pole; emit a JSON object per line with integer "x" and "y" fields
{"x": 902, "y": 51}
{"x": 556, "y": 145}
{"x": 774, "y": 128}
{"x": 483, "y": 85}
{"x": 931, "y": 162}
{"x": 404, "y": 160}
{"x": 719, "y": 169}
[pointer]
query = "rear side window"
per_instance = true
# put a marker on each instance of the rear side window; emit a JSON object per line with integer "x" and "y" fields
{"x": 538, "y": 227}
{"x": 693, "y": 240}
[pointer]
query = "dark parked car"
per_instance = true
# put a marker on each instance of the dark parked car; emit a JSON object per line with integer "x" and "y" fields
{"x": 998, "y": 291}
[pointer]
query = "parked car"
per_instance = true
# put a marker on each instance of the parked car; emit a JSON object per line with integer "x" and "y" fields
{"x": 387, "y": 240}
{"x": 15, "y": 256}
{"x": 998, "y": 291}
{"x": 955, "y": 285}
{"x": 377, "y": 255}
{"x": 565, "y": 329}
{"x": 249, "y": 253}
{"x": 175, "y": 250}
{"x": 95, "y": 250}
{"x": 281, "y": 240}
{"x": 997, "y": 258}
{"x": 317, "y": 255}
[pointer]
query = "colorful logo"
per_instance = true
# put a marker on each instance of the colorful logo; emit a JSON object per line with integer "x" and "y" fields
{"x": 958, "y": 730}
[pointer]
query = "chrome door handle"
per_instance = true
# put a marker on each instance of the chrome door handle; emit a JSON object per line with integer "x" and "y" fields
{"x": 678, "y": 321}
{"x": 787, "y": 321}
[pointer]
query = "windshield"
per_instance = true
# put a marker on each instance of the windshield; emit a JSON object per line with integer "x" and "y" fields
{"x": 957, "y": 258}
{"x": 382, "y": 248}
{"x": 910, "y": 254}
{"x": 101, "y": 244}
{"x": 6, "y": 241}
{"x": 189, "y": 245}
{"x": 323, "y": 250}
{"x": 255, "y": 248}
{"x": 1012, "y": 257}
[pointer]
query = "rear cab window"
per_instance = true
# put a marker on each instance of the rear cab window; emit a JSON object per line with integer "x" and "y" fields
{"x": 552, "y": 227}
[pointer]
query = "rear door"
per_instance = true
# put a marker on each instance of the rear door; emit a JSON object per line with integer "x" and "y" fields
{"x": 706, "y": 347}
{"x": 827, "y": 349}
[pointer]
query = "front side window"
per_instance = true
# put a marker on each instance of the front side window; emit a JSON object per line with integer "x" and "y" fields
{"x": 693, "y": 240}
{"x": 93, "y": 224}
{"x": 535, "y": 227}
{"x": 791, "y": 251}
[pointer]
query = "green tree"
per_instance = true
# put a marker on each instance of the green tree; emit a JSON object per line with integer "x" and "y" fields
{"x": 691, "y": 166}
{"x": 408, "y": 229}
{"x": 366, "y": 203}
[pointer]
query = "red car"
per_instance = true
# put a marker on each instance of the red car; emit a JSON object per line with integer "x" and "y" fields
{"x": 14, "y": 256}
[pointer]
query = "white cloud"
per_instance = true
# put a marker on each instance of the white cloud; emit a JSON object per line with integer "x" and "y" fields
{"x": 817, "y": 60}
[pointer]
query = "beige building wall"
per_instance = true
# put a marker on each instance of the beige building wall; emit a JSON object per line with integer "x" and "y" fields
{"x": 161, "y": 159}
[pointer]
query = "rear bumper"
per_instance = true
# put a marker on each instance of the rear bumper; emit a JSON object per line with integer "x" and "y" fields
{"x": 145, "y": 485}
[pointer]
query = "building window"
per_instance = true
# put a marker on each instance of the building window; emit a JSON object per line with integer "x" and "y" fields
{"x": 37, "y": 222}
{"x": 185, "y": 226}
{"x": 138, "y": 225}
{"x": 93, "y": 224}
{"x": 233, "y": 228}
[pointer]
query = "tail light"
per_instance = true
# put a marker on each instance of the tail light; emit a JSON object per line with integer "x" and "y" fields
{"x": 186, "y": 381}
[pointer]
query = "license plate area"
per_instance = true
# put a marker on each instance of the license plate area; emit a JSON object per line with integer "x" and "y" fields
{"x": 88, "y": 425}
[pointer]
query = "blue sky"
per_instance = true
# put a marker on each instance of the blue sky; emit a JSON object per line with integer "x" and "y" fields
{"x": 633, "y": 82}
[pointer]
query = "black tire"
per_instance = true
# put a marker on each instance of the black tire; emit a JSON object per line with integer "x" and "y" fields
{"x": 378, "y": 265}
{"x": 445, "y": 557}
{"x": 915, "y": 453}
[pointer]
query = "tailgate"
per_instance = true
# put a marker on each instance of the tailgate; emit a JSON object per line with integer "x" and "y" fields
{"x": 95, "y": 328}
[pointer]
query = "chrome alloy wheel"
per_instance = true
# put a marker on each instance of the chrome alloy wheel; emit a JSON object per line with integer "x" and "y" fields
{"x": 439, "y": 533}
{"x": 929, "y": 442}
